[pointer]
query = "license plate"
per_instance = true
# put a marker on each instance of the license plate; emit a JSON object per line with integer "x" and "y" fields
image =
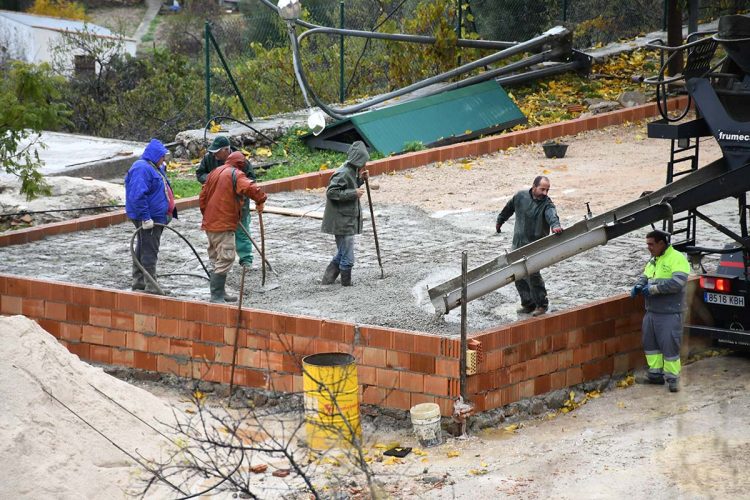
{"x": 724, "y": 300}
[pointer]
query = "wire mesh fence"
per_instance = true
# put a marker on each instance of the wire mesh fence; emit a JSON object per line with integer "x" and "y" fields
{"x": 256, "y": 43}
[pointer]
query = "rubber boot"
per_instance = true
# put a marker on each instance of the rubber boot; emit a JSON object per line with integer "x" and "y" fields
{"x": 526, "y": 309}
{"x": 218, "y": 293}
{"x": 331, "y": 273}
{"x": 149, "y": 288}
{"x": 138, "y": 280}
{"x": 346, "y": 277}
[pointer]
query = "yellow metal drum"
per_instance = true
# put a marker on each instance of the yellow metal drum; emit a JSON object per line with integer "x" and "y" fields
{"x": 331, "y": 400}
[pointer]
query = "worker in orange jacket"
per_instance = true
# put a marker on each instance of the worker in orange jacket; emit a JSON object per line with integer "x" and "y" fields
{"x": 221, "y": 201}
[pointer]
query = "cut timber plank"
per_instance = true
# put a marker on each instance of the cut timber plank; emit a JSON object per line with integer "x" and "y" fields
{"x": 291, "y": 212}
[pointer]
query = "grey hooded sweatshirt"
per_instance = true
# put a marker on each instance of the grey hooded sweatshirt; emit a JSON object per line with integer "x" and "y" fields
{"x": 343, "y": 212}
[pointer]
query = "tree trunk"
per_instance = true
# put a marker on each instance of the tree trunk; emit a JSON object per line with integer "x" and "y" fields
{"x": 674, "y": 34}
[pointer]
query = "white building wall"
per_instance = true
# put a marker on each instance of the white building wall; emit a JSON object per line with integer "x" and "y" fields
{"x": 38, "y": 45}
{"x": 17, "y": 41}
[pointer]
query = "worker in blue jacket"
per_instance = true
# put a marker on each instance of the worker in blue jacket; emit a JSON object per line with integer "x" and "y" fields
{"x": 148, "y": 201}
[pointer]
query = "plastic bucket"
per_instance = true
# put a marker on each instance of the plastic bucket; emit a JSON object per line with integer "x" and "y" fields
{"x": 553, "y": 150}
{"x": 331, "y": 400}
{"x": 425, "y": 420}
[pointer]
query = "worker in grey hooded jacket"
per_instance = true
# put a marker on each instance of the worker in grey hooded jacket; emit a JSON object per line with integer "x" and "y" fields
{"x": 343, "y": 213}
{"x": 535, "y": 215}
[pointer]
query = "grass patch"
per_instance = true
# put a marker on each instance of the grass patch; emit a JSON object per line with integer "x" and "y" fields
{"x": 293, "y": 154}
{"x": 149, "y": 36}
{"x": 184, "y": 187}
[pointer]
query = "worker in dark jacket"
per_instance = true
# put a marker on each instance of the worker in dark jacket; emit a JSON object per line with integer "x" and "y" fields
{"x": 148, "y": 200}
{"x": 217, "y": 154}
{"x": 221, "y": 200}
{"x": 535, "y": 215}
{"x": 343, "y": 213}
{"x": 662, "y": 284}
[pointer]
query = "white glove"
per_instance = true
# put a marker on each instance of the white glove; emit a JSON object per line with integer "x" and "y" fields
{"x": 148, "y": 224}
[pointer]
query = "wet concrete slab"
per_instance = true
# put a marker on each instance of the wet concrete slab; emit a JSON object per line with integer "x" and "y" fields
{"x": 419, "y": 249}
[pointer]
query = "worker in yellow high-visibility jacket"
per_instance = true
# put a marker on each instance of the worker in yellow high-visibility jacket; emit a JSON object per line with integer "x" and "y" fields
{"x": 663, "y": 285}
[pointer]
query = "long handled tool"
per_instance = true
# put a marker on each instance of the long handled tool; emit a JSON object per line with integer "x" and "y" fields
{"x": 374, "y": 230}
{"x": 262, "y": 249}
{"x": 237, "y": 332}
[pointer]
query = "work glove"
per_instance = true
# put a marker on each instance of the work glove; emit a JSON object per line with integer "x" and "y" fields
{"x": 557, "y": 230}
{"x": 635, "y": 291}
{"x": 498, "y": 226}
{"x": 148, "y": 224}
{"x": 647, "y": 290}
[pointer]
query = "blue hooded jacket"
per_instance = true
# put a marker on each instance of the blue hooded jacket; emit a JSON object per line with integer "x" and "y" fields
{"x": 145, "y": 186}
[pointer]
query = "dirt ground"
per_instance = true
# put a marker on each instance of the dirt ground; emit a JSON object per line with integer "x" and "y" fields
{"x": 626, "y": 441}
{"x": 606, "y": 168}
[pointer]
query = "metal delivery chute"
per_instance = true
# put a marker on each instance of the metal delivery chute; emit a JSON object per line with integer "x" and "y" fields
{"x": 711, "y": 183}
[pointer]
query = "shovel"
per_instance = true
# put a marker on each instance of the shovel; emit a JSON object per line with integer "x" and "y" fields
{"x": 236, "y": 333}
{"x": 374, "y": 230}
{"x": 261, "y": 251}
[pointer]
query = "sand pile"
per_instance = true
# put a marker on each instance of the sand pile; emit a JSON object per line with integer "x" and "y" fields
{"x": 45, "y": 450}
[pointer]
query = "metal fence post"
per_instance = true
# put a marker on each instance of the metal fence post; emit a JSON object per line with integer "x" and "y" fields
{"x": 459, "y": 21}
{"x": 206, "y": 36}
{"x": 341, "y": 53}
{"x": 664, "y": 16}
{"x": 565, "y": 11}
{"x": 464, "y": 341}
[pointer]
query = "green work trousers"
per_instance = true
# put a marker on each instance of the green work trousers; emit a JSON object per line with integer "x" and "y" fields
{"x": 242, "y": 242}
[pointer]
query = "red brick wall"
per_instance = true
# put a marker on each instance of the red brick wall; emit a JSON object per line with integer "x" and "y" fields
{"x": 314, "y": 180}
{"x": 557, "y": 350}
{"x": 396, "y": 369}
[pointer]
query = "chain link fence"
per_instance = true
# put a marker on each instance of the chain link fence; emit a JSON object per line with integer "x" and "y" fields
{"x": 256, "y": 44}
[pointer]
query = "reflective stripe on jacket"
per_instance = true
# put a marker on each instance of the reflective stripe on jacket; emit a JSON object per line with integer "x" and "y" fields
{"x": 666, "y": 277}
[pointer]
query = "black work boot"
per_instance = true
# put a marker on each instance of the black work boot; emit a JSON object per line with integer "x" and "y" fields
{"x": 346, "y": 277}
{"x": 674, "y": 385}
{"x": 331, "y": 273}
{"x": 218, "y": 292}
{"x": 526, "y": 309}
{"x": 649, "y": 379}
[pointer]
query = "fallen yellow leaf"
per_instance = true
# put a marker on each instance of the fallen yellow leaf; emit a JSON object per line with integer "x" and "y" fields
{"x": 453, "y": 454}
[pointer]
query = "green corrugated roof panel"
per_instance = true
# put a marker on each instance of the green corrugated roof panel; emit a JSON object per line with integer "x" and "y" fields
{"x": 444, "y": 117}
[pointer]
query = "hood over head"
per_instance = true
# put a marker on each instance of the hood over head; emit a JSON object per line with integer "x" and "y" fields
{"x": 154, "y": 151}
{"x": 236, "y": 160}
{"x": 358, "y": 155}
